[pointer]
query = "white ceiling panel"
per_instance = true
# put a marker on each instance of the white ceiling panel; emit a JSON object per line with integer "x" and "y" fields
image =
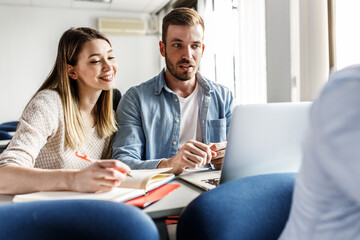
{"x": 140, "y": 6}
{"x": 52, "y": 3}
{"x": 144, "y": 6}
{"x": 154, "y": 6}
{"x": 90, "y": 5}
{"x": 129, "y": 5}
{"x": 16, "y": 2}
{"x": 129, "y": 2}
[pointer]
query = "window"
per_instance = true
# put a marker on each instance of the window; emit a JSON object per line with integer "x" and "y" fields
{"x": 347, "y": 37}
{"x": 235, "y": 47}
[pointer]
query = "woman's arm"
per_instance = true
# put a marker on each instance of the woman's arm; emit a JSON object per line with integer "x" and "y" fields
{"x": 99, "y": 177}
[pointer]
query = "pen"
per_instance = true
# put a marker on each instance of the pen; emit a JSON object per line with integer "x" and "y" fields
{"x": 86, "y": 158}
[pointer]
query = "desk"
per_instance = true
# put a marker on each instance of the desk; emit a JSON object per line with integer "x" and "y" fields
{"x": 172, "y": 204}
{"x": 175, "y": 202}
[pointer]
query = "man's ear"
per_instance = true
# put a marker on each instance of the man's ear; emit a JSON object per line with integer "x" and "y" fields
{"x": 162, "y": 48}
{"x": 203, "y": 48}
{"x": 71, "y": 72}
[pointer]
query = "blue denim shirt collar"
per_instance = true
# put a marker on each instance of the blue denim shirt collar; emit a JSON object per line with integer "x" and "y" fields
{"x": 161, "y": 84}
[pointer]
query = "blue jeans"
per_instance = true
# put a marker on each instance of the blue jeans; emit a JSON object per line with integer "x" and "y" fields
{"x": 75, "y": 219}
{"x": 249, "y": 208}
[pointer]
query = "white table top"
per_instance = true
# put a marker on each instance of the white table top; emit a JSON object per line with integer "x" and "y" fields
{"x": 175, "y": 202}
{"x": 172, "y": 204}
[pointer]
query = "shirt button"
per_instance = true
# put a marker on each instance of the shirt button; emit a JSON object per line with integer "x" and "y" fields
{"x": 177, "y": 121}
{"x": 174, "y": 143}
{"x": 176, "y": 100}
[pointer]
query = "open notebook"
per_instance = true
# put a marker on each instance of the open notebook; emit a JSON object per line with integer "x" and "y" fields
{"x": 141, "y": 182}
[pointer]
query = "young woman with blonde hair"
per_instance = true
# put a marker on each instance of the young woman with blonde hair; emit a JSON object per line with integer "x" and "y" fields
{"x": 72, "y": 111}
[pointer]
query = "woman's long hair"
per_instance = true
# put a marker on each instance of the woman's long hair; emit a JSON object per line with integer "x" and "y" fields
{"x": 70, "y": 46}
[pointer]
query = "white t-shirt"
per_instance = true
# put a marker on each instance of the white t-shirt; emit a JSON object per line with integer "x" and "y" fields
{"x": 190, "y": 124}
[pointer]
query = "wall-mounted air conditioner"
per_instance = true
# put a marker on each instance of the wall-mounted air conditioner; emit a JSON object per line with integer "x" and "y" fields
{"x": 122, "y": 26}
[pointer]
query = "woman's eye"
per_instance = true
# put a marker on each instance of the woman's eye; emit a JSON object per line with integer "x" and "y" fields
{"x": 111, "y": 58}
{"x": 94, "y": 62}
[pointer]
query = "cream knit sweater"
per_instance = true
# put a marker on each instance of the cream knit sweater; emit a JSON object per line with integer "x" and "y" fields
{"x": 40, "y": 138}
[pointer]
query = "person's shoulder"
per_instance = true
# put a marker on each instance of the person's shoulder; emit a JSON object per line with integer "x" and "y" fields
{"x": 149, "y": 83}
{"x": 217, "y": 87}
{"x": 48, "y": 95}
{"x": 147, "y": 86}
{"x": 348, "y": 74}
{"x": 342, "y": 81}
{"x": 45, "y": 98}
{"x": 340, "y": 94}
{"x": 44, "y": 107}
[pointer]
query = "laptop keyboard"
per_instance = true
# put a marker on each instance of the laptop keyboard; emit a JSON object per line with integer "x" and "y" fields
{"x": 212, "y": 181}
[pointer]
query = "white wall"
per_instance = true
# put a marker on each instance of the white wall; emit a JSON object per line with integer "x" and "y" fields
{"x": 28, "y": 44}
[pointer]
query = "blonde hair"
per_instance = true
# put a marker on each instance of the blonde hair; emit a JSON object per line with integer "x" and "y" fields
{"x": 70, "y": 46}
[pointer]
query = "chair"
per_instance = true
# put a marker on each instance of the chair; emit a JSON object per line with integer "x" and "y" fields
{"x": 254, "y": 207}
{"x": 75, "y": 219}
{"x": 4, "y": 135}
{"x": 9, "y": 126}
{"x": 116, "y": 98}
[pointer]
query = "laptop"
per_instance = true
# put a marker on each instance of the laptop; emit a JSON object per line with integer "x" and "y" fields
{"x": 263, "y": 138}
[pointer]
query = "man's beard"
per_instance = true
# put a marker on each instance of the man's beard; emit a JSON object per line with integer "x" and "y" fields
{"x": 183, "y": 76}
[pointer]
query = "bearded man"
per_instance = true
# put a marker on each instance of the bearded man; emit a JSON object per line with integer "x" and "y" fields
{"x": 179, "y": 118}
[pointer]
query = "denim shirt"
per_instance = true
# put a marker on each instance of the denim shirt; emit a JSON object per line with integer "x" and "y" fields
{"x": 149, "y": 120}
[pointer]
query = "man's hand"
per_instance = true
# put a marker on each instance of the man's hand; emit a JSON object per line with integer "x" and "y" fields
{"x": 192, "y": 155}
{"x": 219, "y": 148}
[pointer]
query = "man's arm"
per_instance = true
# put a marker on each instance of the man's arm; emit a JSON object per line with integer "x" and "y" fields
{"x": 192, "y": 155}
{"x": 130, "y": 142}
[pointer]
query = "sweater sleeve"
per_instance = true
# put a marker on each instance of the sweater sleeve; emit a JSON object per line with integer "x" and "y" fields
{"x": 37, "y": 124}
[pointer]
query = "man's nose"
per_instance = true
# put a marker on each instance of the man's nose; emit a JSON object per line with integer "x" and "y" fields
{"x": 188, "y": 52}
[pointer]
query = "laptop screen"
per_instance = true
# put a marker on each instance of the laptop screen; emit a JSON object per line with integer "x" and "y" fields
{"x": 265, "y": 138}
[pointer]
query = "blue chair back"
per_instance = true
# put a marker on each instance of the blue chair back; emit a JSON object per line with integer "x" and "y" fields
{"x": 9, "y": 126}
{"x": 5, "y": 135}
{"x": 75, "y": 219}
{"x": 254, "y": 207}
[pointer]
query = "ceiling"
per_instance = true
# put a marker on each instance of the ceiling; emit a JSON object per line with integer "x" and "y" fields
{"x": 139, "y": 6}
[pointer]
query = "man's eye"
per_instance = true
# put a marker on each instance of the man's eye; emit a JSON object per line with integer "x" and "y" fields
{"x": 177, "y": 45}
{"x": 196, "y": 46}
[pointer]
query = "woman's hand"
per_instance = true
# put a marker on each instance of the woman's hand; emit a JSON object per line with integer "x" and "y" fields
{"x": 101, "y": 176}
